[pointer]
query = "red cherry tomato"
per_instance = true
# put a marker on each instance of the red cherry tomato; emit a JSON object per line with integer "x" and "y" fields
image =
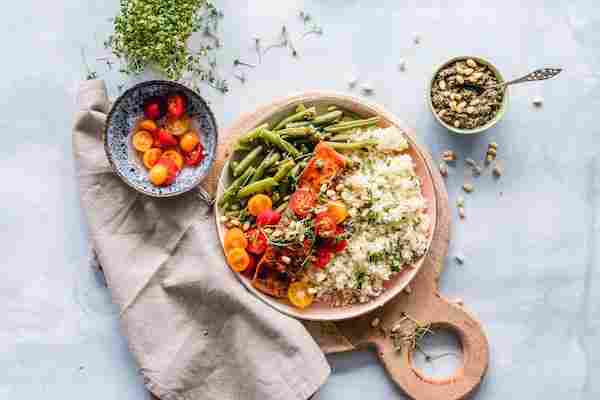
{"x": 325, "y": 225}
{"x": 195, "y": 156}
{"x": 176, "y": 105}
{"x": 152, "y": 110}
{"x": 257, "y": 241}
{"x": 268, "y": 217}
{"x": 302, "y": 202}
{"x": 165, "y": 139}
{"x": 324, "y": 255}
{"x": 172, "y": 169}
{"x": 340, "y": 246}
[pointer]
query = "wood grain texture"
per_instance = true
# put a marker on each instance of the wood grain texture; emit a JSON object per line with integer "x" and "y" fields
{"x": 423, "y": 303}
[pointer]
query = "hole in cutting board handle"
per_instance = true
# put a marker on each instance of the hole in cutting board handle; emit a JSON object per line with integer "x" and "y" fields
{"x": 439, "y": 356}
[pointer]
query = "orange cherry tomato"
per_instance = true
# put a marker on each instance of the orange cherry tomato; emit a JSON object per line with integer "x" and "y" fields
{"x": 147, "y": 125}
{"x": 235, "y": 238}
{"x": 175, "y": 156}
{"x": 238, "y": 259}
{"x": 143, "y": 141}
{"x": 259, "y": 203}
{"x": 158, "y": 174}
{"x": 151, "y": 157}
{"x": 325, "y": 225}
{"x": 299, "y": 295}
{"x": 178, "y": 126}
{"x": 302, "y": 202}
{"x": 338, "y": 210}
{"x": 188, "y": 141}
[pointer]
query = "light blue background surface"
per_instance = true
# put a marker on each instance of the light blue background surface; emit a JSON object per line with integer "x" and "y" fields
{"x": 529, "y": 241}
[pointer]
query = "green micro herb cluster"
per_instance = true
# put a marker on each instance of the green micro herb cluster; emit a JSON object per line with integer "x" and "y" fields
{"x": 155, "y": 33}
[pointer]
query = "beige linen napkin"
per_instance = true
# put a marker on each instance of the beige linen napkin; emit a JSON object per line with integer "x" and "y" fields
{"x": 195, "y": 332}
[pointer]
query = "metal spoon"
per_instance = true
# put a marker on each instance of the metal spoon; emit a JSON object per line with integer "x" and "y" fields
{"x": 537, "y": 75}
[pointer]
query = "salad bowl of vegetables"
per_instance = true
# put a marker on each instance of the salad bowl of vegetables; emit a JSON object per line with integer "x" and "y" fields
{"x": 325, "y": 205}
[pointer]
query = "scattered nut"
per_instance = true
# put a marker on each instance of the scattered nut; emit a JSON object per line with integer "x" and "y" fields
{"x": 460, "y": 201}
{"x": 367, "y": 88}
{"x": 442, "y": 85}
{"x": 402, "y": 65}
{"x": 246, "y": 226}
{"x": 538, "y": 101}
{"x": 235, "y": 222}
{"x": 351, "y": 80}
{"x": 448, "y": 155}
{"x": 396, "y": 328}
{"x": 339, "y": 187}
{"x": 470, "y": 162}
{"x": 443, "y": 169}
{"x": 330, "y": 193}
{"x": 461, "y": 212}
{"x": 417, "y": 38}
{"x": 375, "y": 323}
{"x": 471, "y": 63}
{"x": 223, "y": 219}
{"x": 460, "y": 80}
{"x": 468, "y": 71}
{"x": 491, "y": 152}
{"x": 467, "y": 187}
{"x": 286, "y": 259}
{"x": 498, "y": 170}
{"x": 459, "y": 258}
{"x": 456, "y": 123}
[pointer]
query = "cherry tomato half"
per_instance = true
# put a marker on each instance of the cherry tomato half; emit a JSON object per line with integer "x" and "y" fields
{"x": 302, "y": 202}
{"x": 151, "y": 157}
{"x": 325, "y": 225}
{"x": 171, "y": 169}
{"x": 259, "y": 203}
{"x": 257, "y": 241}
{"x": 238, "y": 259}
{"x": 176, "y": 105}
{"x": 195, "y": 156}
{"x": 175, "y": 156}
{"x": 143, "y": 141}
{"x": 166, "y": 139}
{"x": 324, "y": 255}
{"x": 235, "y": 238}
{"x": 153, "y": 109}
{"x": 268, "y": 217}
{"x": 299, "y": 295}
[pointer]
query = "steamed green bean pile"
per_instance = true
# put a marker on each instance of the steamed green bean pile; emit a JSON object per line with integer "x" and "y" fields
{"x": 272, "y": 159}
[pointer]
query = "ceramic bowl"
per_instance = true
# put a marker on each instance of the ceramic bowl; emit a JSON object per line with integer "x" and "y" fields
{"x": 273, "y": 113}
{"x": 127, "y": 111}
{"x": 480, "y": 129}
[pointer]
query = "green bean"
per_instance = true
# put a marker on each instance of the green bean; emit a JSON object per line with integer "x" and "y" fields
{"x": 332, "y": 108}
{"x": 340, "y": 138}
{"x": 252, "y": 135}
{"x": 235, "y": 186}
{"x": 344, "y": 126}
{"x": 247, "y": 161}
{"x": 277, "y": 141}
{"x": 298, "y": 124}
{"x": 300, "y": 108}
{"x": 352, "y": 145}
{"x": 266, "y": 163}
{"x": 308, "y": 113}
{"x": 283, "y": 171}
{"x": 327, "y": 118}
{"x": 241, "y": 147}
{"x": 298, "y": 132}
{"x": 298, "y": 168}
{"x": 281, "y": 208}
{"x": 232, "y": 165}
{"x": 257, "y": 187}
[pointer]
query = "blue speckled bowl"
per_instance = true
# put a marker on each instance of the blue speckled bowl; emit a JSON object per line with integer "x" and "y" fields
{"x": 125, "y": 160}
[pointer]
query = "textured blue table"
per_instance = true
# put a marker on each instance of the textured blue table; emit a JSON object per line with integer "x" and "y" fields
{"x": 530, "y": 240}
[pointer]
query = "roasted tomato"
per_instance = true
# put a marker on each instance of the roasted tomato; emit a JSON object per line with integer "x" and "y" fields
{"x": 238, "y": 259}
{"x": 235, "y": 238}
{"x": 322, "y": 168}
{"x": 299, "y": 295}
{"x": 259, "y": 203}
{"x": 176, "y": 105}
{"x": 165, "y": 139}
{"x": 268, "y": 217}
{"x": 175, "y": 156}
{"x": 302, "y": 202}
{"x": 153, "y": 109}
{"x": 171, "y": 167}
{"x": 195, "y": 156}
{"x": 323, "y": 256}
{"x": 257, "y": 241}
{"x": 188, "y": 142}
{"x": 143, "y": 141}
{"x": 178, "y": 126}
{"x": 151, "y": 157}
{"x": 325, "y": 225}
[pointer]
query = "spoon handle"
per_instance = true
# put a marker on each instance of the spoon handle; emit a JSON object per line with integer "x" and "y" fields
{"x": 537, "y": 75}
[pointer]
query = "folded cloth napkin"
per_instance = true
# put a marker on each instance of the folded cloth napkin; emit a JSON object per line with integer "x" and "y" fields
{"x": 195, "y": 332}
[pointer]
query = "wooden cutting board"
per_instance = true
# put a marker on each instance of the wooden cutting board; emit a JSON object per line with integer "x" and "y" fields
{"x": 423, "y": 303}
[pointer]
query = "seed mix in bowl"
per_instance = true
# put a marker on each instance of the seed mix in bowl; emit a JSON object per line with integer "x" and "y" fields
{"x": 460, "y": 105}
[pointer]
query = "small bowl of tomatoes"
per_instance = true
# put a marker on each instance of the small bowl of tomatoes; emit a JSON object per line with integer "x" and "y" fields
{"x": 161, "y": 138}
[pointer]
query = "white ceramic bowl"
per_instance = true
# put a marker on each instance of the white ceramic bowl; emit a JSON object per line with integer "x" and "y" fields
{"x": 274, "y": 112}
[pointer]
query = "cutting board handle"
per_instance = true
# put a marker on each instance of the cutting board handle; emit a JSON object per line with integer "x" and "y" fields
{"x": 442, "y": 314}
